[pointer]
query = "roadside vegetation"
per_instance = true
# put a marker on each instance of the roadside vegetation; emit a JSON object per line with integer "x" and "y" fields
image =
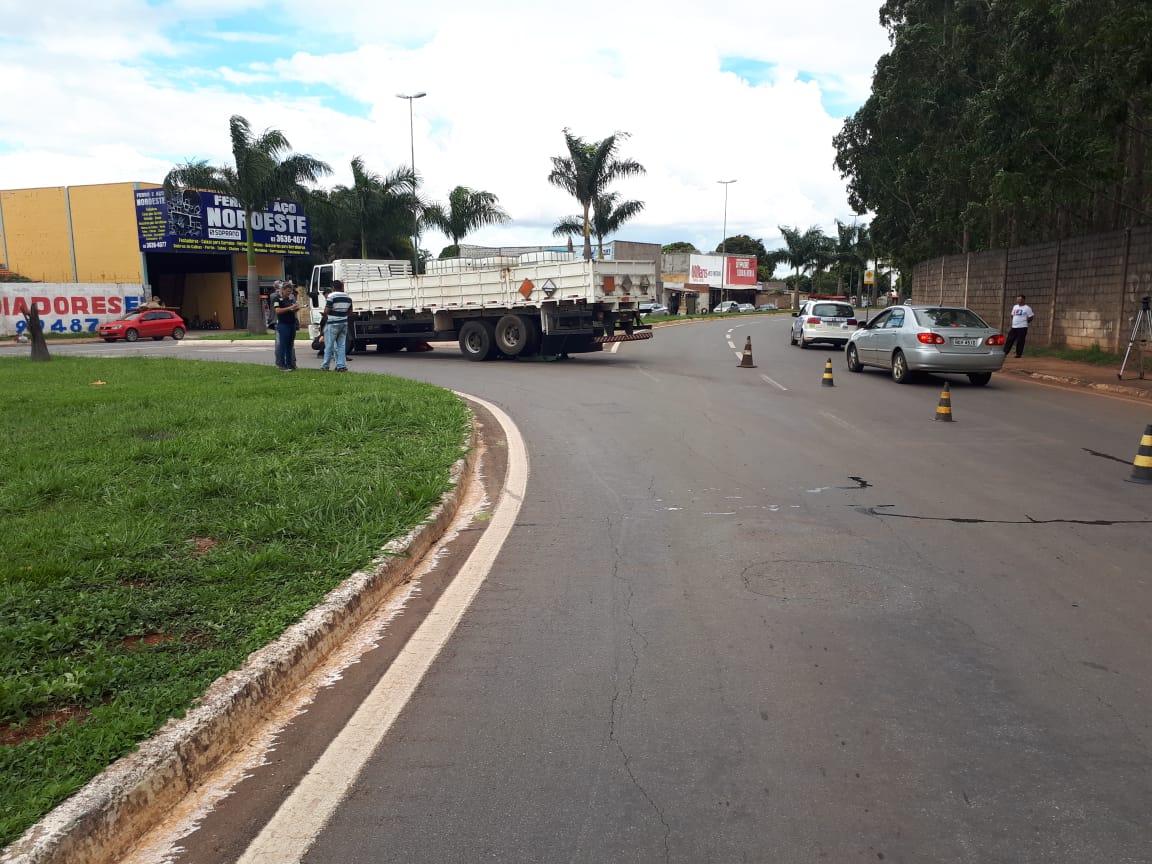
{"x": 163, "y": 519}
{"x": 1094, "y": 355}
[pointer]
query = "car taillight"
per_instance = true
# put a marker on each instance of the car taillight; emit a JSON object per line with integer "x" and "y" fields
{"x": 995, "y": 340}
{"x": 930, "y": 338}
{"x": 813, "y": 321}
{"x": 852, "y": 321}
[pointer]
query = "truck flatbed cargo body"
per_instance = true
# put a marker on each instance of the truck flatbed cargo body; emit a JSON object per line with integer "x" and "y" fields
{"x": 539, "y": 304}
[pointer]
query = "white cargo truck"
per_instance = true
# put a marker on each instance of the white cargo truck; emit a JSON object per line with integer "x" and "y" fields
{"x": 537, "y": 304}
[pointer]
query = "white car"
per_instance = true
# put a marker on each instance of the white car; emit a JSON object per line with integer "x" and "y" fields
{"x": 652, "y": 309}
{"x": 745, "y": 307}
{"x": 727, "y": 306}
{"x": 830, "y": 321}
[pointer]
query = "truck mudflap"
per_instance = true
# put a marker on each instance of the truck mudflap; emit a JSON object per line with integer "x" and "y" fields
{"x": 638, "y": 336}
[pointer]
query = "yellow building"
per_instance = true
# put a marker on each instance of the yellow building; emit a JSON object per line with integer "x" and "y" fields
{"x": 185, "y": 249}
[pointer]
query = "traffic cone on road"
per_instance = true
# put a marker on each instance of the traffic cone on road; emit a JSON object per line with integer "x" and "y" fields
{"x": 944, "y": 408}
{"x": 827, "y": 380}
{"x": 1142, "y": 464}
{"x": 746, "y": 360}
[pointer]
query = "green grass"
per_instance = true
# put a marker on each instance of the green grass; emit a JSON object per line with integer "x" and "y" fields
{"x": 1093, "y": 355}
{"x": 163, "y": 524}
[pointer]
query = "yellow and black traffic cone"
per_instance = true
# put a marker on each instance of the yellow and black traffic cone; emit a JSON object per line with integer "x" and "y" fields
{"x": 746, "y": 360}
{"x": 827, "y": 379}
{"x": 944, "y": 408}
{"x": 1142, "y": 464}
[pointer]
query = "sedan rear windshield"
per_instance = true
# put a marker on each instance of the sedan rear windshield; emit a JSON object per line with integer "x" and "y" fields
{"x": 949, "y": 318}
{"x": 832, "y": 310}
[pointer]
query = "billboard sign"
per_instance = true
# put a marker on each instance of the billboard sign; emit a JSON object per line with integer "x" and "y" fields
{"x": 741, "y": 270}
{"x": 704, "y": 270}
{"x": 187, "y": 220}
{"x": 66, "y": 307}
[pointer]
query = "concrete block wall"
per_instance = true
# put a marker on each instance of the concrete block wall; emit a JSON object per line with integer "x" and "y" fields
{"x": 1032, "y": 272}
{"x": 1084, "y": 290}
{"x": 1137, "y": 282}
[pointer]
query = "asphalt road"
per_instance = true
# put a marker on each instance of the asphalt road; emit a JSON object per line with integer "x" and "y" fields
{"x": 746, "y": 618}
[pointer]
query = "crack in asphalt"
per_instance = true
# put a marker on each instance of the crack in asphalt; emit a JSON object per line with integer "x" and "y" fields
{"x": 1027, "y": 520}
{"x": 616, "y": 697}
{"x": 1105, "y": 456}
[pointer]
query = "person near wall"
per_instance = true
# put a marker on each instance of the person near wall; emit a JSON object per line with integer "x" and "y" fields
{"x": 334, "y": 326}
{"x": 1022, "y": 316}
{"x": 285, "y": 306}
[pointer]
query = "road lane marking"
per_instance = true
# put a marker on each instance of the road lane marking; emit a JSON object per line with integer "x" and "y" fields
{"x": 302, "y": 816}
{"x": 839, "y": 421}
{"x": 775, "y": 383}
{"x": 648, "y": 374}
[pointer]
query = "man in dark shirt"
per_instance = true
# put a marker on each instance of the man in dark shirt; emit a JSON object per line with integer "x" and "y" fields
{"x": 334, "y": 325}
{"x": 285, "y": 306}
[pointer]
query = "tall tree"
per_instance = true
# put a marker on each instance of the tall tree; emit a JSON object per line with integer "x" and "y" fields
{"x": 993, "y": 124}
{"x": 609, "y": 214}
{"x": 849, "y": 255}
{"x": 373, "y": 201}
{"x": 467, "y": 210}
{"x": 803, "y": 251}
{"x": 265, "y": 169}
{"x": 587, "y": 171}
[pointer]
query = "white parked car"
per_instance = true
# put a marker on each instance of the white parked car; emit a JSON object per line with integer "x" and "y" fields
{"x": 830, "y": 321}
{"x": 727, "y": 306}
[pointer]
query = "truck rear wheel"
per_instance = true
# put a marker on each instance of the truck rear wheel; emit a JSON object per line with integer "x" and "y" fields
{"x": 516, "y": 335}
{"x": 478, "y": 340}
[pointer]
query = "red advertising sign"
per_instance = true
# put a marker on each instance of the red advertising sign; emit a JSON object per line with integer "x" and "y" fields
{"x": 741, "y": 270}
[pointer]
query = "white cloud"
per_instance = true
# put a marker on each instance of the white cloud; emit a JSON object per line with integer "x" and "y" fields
{"x": 114, "y": 95}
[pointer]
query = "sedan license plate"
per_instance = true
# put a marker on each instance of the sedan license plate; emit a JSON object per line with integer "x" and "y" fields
{"x": 965, "y": 341}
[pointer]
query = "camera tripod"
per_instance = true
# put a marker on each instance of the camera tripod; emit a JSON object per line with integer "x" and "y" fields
{"x": 1141, "y": 333}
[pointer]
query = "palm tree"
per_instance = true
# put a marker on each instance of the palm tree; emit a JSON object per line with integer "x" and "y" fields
{"x": 467, "y": 210}
{"x": 376, "y": 209}
{"x": 849, "y": 252}
{"x": 803, "y": 251}
{"x": 586, "y": 172}
{"x": 608, "y": 215}
{"x": 265, "y": 169}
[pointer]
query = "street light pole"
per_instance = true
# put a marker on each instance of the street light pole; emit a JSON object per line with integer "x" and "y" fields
{"x": 724, "y": 239}
{"x": 412, "y": 146}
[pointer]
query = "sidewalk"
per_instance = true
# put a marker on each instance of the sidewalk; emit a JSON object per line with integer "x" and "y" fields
{"x": 1067, "y": 373}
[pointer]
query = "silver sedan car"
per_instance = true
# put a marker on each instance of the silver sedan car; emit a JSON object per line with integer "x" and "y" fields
{"x": 911, "y": 339}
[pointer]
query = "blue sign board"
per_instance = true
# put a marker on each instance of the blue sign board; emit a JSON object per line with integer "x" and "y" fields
{"x": 190, "y": 221}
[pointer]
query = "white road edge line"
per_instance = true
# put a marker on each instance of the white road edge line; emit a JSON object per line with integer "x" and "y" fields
{"x": 302, "y": 816}
{"x": 648, "y": 374}
{"x": 774, "y": 383}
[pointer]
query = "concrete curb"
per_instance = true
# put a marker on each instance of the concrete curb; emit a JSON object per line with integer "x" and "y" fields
{"x": 110, "y": 813}
{"x": 1071, "y": 381}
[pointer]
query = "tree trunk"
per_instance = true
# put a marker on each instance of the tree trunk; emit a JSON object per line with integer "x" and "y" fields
{"x": 36, "y": 332}
{"x": 587, "y": 236}
{"x": 257, "y": 326}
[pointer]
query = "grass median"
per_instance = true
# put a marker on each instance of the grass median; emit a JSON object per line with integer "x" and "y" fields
{"x": 162, "y": 519}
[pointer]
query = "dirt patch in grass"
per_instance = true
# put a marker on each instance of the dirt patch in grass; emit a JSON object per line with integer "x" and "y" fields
{"x": 202, "y": 545}
{"x": 42, "y": 725}
{"x": 135, "y": 643}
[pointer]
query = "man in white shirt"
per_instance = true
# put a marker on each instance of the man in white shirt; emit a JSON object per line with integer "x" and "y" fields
{"x": 1018, "y": 335}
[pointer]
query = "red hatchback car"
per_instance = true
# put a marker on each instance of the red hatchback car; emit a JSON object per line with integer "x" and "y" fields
{"x": 156, "y": 323}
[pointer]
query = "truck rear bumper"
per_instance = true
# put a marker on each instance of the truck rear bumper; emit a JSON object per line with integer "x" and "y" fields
{"x": 638, "y": 336}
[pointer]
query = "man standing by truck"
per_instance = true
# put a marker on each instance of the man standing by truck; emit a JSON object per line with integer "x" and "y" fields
{"x": 285, "y": 307}
{"x": 334, "y": 326}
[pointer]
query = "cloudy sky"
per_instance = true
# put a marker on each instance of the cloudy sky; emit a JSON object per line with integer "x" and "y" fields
{"x": 120, "y": 90}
